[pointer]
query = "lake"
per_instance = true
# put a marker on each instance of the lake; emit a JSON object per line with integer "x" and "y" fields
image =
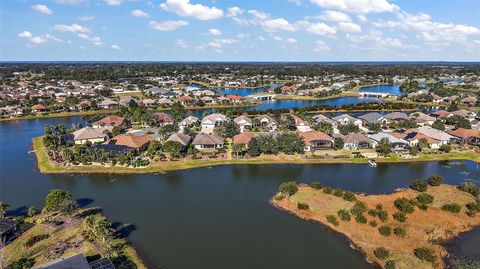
{"x": 212, "y": 217}
{"x": 391, "y": 89}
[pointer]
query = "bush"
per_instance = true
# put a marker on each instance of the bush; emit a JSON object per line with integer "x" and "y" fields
{"x": 400, "y": 216}
{"x": 360, "y": 219}
{"x": 56, "y": 199}
{"x": 35, "y": 239}
{"x": 23, "y": 263}
{"x": 333, "y": 220}
{"x": 385, "y": 230}
{"x": 359, "y": 208}
{"x": 344, "y": 215}
{"x": 425, "y": 198}
{"x": 425, "y": 254}
{"x": 382, "y": 215}
{"x": 435, "y": 180}
{"x": 453, "y": 207}
{"x": 404, "y": 205}
{"x": 372, "y": 212}
{"x": 400, "y": 232}
{"x": 289, "y": 188}
{"x": 316, "y": 185}
{"x": 373, "y": 223}
{"x": 379, "y": 207}
{"x": 423, "y": 206}
{"x": 390, "y": 264}
{"x": 472, "y": 209}
{"x": 349, "y": 196}
{"x": 470, "y": 187}
{"x": 445, "y": 148}
{"x": 328, "y": 190}
{"x": 303, "y": 206}
{"x": 419, "y": 185}
{"x": 381, "y": 253}
{"x": 338, "y": 192}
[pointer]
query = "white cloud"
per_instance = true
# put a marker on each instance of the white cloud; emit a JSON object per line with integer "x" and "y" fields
{"x": 362, "y": 18}
{"x": 115, "y": 47}
{"x": 25, "y": 34}
{"x": 51, "y": 37}
{"x": 185, "y": 9}
{"x": 70, "y": 2}
{"x": 318, "y": 28}
{"x": 215, "y": 31}
{"x": 261, "y": 38}
{"x": 113, "y": 2}
{"x": 87, "y": 18}
{"x": 35, "y": 39}
{"x": 73, "y": 28}
{"x": 280, "y": 24}
{"x": 243, "y": 35}
{"x": 167, "y": 25}
{"x": 220, "y": 42}
{"x": 291, "y": 40}
{"x": 95, "y": 40}
{"x": 234, "y": 12}
{"x": 277, "y": 38}
{"x": 38, "y": 40}
{"x": 335, "y": 16}
{"x": 321, "y": 46}
{"x": 182, "y": 43}
{"x": 357, "y": 6}
{"x": 42, "y": 9}
{"x": 349, "y": 27}
{"x": 139, "y": 13}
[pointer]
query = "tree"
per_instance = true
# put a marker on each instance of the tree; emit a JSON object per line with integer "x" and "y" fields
{"x": 153, "y": 147}
{"x": 56, "y": 198}
{"x": 338, "y": 143}
{"x": 3, "y": 209}
{"x": 435, "y": 180}
{"x": 178, "y": 111}
{"x": 253, "y": 148}
{"x": 230, "y": 129}
{"x": 374, "y": 127}
{"x": 438, "y": 124}
{"x": 446, "y": 148}
{"x": 419, "y": 185}
{"x": 68, "y": 208}
{"x": 238, "y": 149}
{"x": 32, "y": 211}
{"x": 348, "y": 128}
{"x": 423, "y": 143}
{"x": 116, "y": 130}
{"x": 290, "y": 143}
{"x": 384, "y": 147}
{"x": 324, "y": 127}
{"x": 289, "y": 188}
{"x": 173, "y": 148}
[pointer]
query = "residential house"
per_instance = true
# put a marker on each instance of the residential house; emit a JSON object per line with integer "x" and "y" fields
{"x": 301, "y": 125}
{"x": 149, "y": 102}
{"x": 345, "y": 119}
{"x": 39, "y": 108}
{"x": 441, "y": 136}
{"x": 89, "y": 134}
{"x": 267, "y": 122}
{"x": 355, "y": 141}
{"x": 185, "y": 100}
{"x": 320, "y": 118}
{"x": 77, "y": 261}
{"x": 127, "y": 143}
{"x": 396, "y": 116}
{"x": 467, "y": 136}
{"x": 109, "y": 122}
{"x": 441, "y": 114}
{"x": 422, "y": 118}
{"x": 470, "y": 101}
{"x": 203, "y": 141}
{"x": 315, "y": 140}
{"x": 183, "y": 139}
{"x": 244, "y": 122}
{"x": 162, "y": 119}
{"x": 396, "y": 143}
{"x": 187, "y": 122}
{"x": 467, "y": 114}
{"x": 108, "y": 104}
{"x": 164, "y": 102}
{"x": 373, "y": 118}
{"x": 413, "y": 138}
{"x": 243, "y": 138}
{"x": 209, "y": 122}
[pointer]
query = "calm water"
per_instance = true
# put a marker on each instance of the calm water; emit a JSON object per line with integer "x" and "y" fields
{"x": 392, "y": 89}
{"x": 238, "y": 91}
{"x": 211, "y": 218}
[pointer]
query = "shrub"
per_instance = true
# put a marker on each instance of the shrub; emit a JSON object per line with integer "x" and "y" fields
{"x": 360, "y": 219}
{"x": 359, "y": 208}
{"x": 379, "y": 207}
{"x": 373, "y": 223}
{"x": 400, "y": 216}
{"x": 390, "y": 264}
{"x": 381, "y": 253}
{"x": 400, "y": 232}
{"x": 404, "y": 205}
{"x": 344, "y": 215}
{"x": 289, "y": 188}
{"x": 472, "y": 209}
{"x": 445, "y": 148}
{"x": 419, "y": 185}
{"x": 23, "y": 263}
{"x": 382, "y": 215}
{"x": 469, "y": 187}
{"x": 385, "y": 230}
{"x": 333, "y": 220}
{"x": 316, "y": 185}
{"x": 423, "y": 206}
{"x": 425, "y": 198}
{"x": 453, "y": 207}
{"x": 372, "y": 212}
{"x": 349, "y": 196}
{"x": 35, "y": 239}
{"x": 338, "y": 192}
{"x": 435, "y": 180}
{"x": 425, "y": 254}
{"x": 328, "y": 190}
{"x": 303, "y": 206}
{"x": 56, "y": 199}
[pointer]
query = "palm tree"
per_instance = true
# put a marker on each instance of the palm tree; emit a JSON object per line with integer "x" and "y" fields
{"x": 3, "y": 208}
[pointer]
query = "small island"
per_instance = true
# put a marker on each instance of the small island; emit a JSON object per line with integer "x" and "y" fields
{"x": 404, "y": 229}
{"x": 63, "y": 231}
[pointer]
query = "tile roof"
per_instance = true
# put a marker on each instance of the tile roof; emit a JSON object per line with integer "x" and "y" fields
{"x": 243, "y": 138}
{"x": 207, "y": 139}
{"x": 112, "y": 120}
{"x": 131, "y": 141}
{"x": 314, "y": 135}
{"x": 89, "y": 133}
{"x": 180, "y": 138}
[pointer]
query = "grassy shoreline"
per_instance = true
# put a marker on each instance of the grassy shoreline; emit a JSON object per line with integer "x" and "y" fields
{"x": 367, "y": 239}
{"x": 62, "y": 114}
{"x": 45, "y": 166}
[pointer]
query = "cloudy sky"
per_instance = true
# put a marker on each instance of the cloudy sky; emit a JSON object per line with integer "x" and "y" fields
{"x": 240, "y": 30}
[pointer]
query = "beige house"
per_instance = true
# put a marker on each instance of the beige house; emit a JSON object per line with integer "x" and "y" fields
{"x": 89, "y": 134}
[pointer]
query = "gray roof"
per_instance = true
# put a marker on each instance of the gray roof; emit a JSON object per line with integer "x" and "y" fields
{"x": 242, "y": 117}
{"x": 89, "y": 133}
{"x": 373, "y": 117}
{"x": 396, "y": 116}
{"x": 322, "y": 118}
{"x": 392, "y": 139}
{"x": 7, "y": 225}
{"x": 76, "y": 261}
{"x": 350, "y": 118}
{"x": 207, "y": 139}
{"x": 180, "y": 138}
{"x": 355, "y": 138}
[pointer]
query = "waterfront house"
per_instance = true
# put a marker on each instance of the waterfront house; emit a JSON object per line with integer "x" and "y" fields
{"x": 441, "y": 136}
{"x": 441, "y": 114}
{"x": 203, "y": 141}
{"x": 345, "y": 119}
{"x": 89, "y": 134}
{"x": 301, "y": 125}
{"x": 373, "y": 118}
{"x": 243, "y": 138}
{"x": 185, "y": 100}
{"x": 470, "y": 101}
{"x": 422, "y": 118}
{"x": 355, "y": 141}
{"x": 396, "y": 116}
{"x": 127, "y": 143}
{"x": 108, "y": 104}
{"x": 244, "y": 122}
{"x": 467, "y": 114}
{"x": 109, "y": 122}
{"x": 315, "y": 140}
{"x": 183, "y": 139}
{"x": 267, "y": 122}
{"x": 149, "y": 102}
{"x": 211, "y": 121}
{"x": 466, "y": 136}
{"x": 77, "y": 261}
{"x": 39, "y": 108}
{"x": 164, "y": 102}
{"x": 396, "y": 143}
{"x": 162, "y": 119}
{"x": 413, "y": 137}
{"x": 187, "y": 122}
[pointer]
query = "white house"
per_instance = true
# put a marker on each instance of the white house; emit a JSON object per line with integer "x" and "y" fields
{"x": 244, "y": 122}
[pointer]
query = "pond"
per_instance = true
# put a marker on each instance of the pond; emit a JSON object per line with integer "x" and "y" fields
{"x": 391, "y": 89}
{"x": 216, "y": 217}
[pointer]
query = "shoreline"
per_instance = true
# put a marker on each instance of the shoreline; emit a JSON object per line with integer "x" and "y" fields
{"x": 45, "y": 166}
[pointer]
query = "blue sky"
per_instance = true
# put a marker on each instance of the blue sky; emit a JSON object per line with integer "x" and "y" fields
{"x": 240, "y": 30}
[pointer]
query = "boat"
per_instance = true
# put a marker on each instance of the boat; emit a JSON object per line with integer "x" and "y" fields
{"x": 372, "y": 163}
